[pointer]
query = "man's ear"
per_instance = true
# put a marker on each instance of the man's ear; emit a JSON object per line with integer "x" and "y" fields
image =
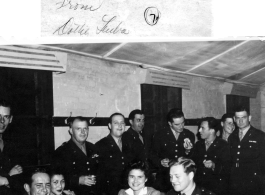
{"x": 249, "y": 118}
{"x": 27, "y": 188}
{"x": 222, "y": 124}
{"x": 71, "y": 131}
{"x": 109, "y": 126}
{"x": 10, "y": 120}
{"x": 169, "y": 123}
{"x": 191, "y": 175}
{"x": 131, "y": 121}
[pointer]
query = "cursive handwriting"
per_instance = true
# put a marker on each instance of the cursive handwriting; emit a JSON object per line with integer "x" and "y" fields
{"x": 75, "y": 6}
{"x": 71, "y": 27}
{"x": 114, "y": 30}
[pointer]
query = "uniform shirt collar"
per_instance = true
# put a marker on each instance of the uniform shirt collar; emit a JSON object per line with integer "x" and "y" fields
{"x": 80, "y": 145}
{"x": 190, "y": 191}
{"x": 116, "y": 139}
{"x": 245, "y": 130}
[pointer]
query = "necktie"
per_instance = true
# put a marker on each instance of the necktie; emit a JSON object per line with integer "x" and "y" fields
{"x": 1, "y": 143}
{"x": 176, "y": 134}
{"x": 207, "y": 145}
{"x": 141, "y": 138}
{"x": 83, "y": 148}
{"x": 240, "y": 135}
{"x": 120, "y": 144}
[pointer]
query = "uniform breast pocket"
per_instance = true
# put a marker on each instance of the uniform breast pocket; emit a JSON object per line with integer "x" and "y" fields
{"x": 252, "y": 149}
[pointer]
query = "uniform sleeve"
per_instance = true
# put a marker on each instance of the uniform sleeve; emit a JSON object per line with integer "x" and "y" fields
{"x": 60, "y": 160}
{"x": 262, "y": 155}
{"x": 154, "y": 152}
{"x": 222, "y": 165}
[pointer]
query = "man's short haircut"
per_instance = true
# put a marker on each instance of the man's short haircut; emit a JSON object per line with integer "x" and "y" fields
{"x": 5, "y": 103}
{"x": 29, "y": 174}
{"x": 134, "y": 112}
{"x": 212, "y": 123}
{"x": 174, "y": 113}
{"x": 114, "y": 114}
{"x": 188, "y": 164}
{"x": 241, "y": 109}
{"x": 226, "y": 116}
{"x": 79, "y": 118}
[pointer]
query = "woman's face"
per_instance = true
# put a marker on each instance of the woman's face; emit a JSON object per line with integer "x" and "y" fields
{"x": 136, "y": 179}
{"x": 57, "y": 184}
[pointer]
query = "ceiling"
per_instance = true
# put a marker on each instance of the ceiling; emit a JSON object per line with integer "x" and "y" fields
{"x": 240, "y": 61}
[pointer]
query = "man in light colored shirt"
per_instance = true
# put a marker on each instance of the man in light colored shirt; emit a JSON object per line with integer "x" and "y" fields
{"x": 182, "y": 172}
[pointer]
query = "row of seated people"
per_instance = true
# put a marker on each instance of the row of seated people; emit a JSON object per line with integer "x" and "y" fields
{"x": 233, "y": 163}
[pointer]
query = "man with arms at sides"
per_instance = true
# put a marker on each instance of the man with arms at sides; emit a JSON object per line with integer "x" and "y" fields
{"x": 247, "y": 146}
{"x": 114, "y": 155}
{"x": 78, "y": 159}
{"x": 181, "y": 174}
{"x": 134, "y": 134}
{"x": 38, "y": 183}
{"x": 169, "y": 144}
{"x": 8, "y": 167}
{"x": 228, "y": 125}
{"x": 211, "y": 155}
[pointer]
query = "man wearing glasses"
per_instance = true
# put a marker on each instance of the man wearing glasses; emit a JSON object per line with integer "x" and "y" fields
{"x": 170, "y": 144}
{"x": 8, "y": 167}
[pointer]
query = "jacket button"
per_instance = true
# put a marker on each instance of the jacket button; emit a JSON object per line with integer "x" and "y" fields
{"x": 87, "y": 163}
{"x": 73, "y": 162}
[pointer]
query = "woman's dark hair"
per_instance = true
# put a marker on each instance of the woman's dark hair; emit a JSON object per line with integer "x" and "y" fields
{"x": 55, "y": 172}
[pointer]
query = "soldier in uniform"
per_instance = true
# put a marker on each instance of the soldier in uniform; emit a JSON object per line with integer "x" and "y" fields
{"x": 228, "y": 125}
{"x": 211, "y": 155}
{"x": 134, "y": 134}
{"x": 78, "y": 159}
{"x": 247, "y": 145}
{"x": 114, "y": 155}
{"x": 182, "y": 173}
{"x": 169, "y": 144}
{"x": 9, "y": 169}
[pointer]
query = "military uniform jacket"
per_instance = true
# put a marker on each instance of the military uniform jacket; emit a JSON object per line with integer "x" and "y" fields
{"x": 215, "y": 180}
{"x": 7, "y": 162}
{"x": 112, "y": 163}
{"x": 165, "y": 145}
{"x": 248, "y": 161}
{"x": 74, "y": 163}
{"x": 132, "y": 137}
{"x": 197, "y": 191}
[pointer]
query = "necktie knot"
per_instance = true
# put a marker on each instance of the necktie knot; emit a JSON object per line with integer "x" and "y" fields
{"x": 207, "y": 144}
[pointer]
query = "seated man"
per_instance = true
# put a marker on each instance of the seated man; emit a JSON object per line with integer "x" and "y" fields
{"x": 182, "y": 173}
{"x": 38, "y": 183}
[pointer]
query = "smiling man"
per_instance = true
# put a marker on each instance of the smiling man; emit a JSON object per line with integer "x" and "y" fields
{"x": 182, "y": 172}
{"x": 169, "y": 144}
{"x": 78, "y": 159}
{"x": 134, "y": 135}
{"x": 247, "y": 145}
{"x": 114, "y": 155}
{"x": 211, "y": 155}
{"x": 38, "y": 183}
{"x": 8, "y": 153}
{"x": 228, "y": 125}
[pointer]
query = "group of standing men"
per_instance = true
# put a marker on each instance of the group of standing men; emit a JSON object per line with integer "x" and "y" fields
{"x": 232, "y": 163}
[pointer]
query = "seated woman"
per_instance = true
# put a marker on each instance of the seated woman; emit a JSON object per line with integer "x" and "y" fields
{"x": 137, "y": 177}
{"x": 58, "y": 184}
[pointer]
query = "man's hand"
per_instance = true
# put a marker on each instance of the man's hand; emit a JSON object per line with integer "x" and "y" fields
{"x": 87, "y": 180}
{"x": 187, "y": 144}
{"x": 68, "y": 192}
{"x": 165, "y": 162}
{"x": 16, "y": 170}
{"x": 3, "y": 181}
{"x": 209, "y": 164}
